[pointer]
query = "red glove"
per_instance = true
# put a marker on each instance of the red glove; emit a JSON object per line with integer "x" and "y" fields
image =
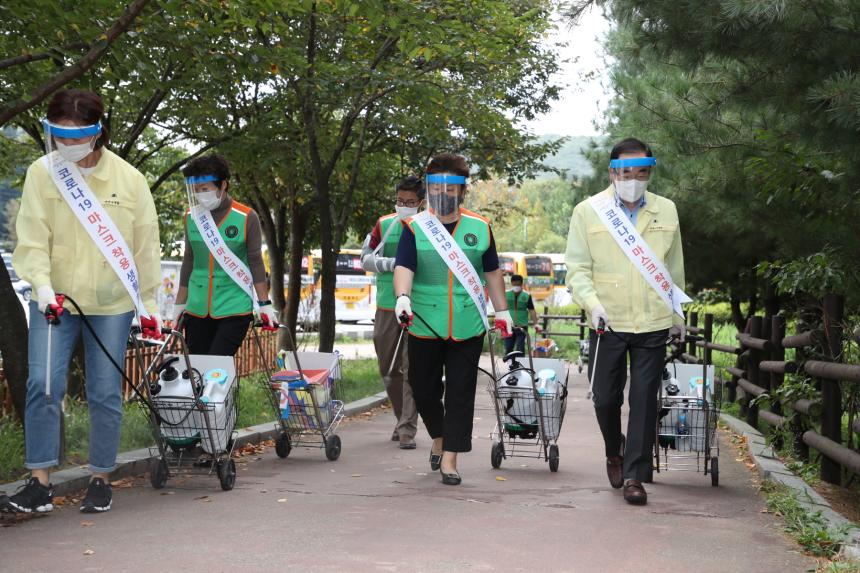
{"x": 150, "y": 326}
{"x": 268, "y": 324}
{"x": 504, "y": 323}
{"x": 55, "y": 309}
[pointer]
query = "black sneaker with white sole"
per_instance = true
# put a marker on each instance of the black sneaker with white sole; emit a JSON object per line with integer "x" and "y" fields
{"x": 33, "y": 497}
{"x": 98, "y": 497}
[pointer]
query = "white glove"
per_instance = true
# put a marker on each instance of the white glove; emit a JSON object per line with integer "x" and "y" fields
{"x": 385, "y": 264}
{"x": 178, "y": 309}
{"x": 597, "y": 313}
{"x": 678, "y": 331}
{"x": 45, "y": 295}
{"x": 268, "y": 311}
{"x": 401, "y": 307}
{"x": 504, "y": 322}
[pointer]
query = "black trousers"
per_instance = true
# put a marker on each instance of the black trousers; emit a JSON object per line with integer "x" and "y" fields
{"x": 216, "y": 336}
{"x": 646, "y": 351}
{"x": 518, "y": 339}
{"x": 451, "y": 420}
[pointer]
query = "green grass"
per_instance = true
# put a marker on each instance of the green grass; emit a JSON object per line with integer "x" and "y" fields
{"x": 809, "y": 529}
{"x": 360, "y": 379}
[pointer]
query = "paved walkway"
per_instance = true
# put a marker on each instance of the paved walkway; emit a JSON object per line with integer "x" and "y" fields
{"x": 380, "y": 509}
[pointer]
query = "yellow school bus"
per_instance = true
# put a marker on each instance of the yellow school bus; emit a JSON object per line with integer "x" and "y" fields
{"x": 355, "y": 289}
{"x": 539, "y": 276}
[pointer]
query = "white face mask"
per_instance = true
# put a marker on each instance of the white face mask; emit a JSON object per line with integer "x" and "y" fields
{"x": 208, "y": 200}
{"x": 75, "y": 153}
{"x": 405, "y": 212}
{"x": 517, "y": 289}
{"x": 631, "y": 190}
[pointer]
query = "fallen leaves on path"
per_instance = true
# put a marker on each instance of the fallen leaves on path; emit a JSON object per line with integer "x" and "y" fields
{"x": 89, "y": 552}
{"x": 87, "y": 524}
{"x": 123, "y": 483}
{"x": 203, "y": 498}
{"x": 282, "y": 500}
{"x": 500, "y": 478}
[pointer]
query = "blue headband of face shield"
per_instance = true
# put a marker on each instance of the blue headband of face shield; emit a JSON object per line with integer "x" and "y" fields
{"x": 201, "y": 179}
{"x": 72, "y": 132}
{"x": 448, "y": 179}
{"x": 634, "y": 162}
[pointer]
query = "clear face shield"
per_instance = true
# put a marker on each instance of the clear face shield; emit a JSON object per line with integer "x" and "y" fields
{"x": 203, "y": 192}
{"x": 443, "y": 192}
{"x": 71, "y": 142}
{"x": 630, "y": 177}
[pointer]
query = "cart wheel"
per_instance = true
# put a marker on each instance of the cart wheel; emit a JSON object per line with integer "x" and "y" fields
{"x": 553, "y": 458}
{"x": 158, "y": 473}
{"x": 715, "y": 471}
{"x": 497, "y": 454}
{"x": 227, "y": 474}
{"x": 283, "y": 445}
{"x": 332, "y": 447}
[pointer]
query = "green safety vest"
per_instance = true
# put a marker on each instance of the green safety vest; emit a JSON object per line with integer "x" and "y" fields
{"x": 385, "y": 281}
{"x": 211, "y": 291}
{"x": 437, "y": 295}
{"x": 519, "y": 307}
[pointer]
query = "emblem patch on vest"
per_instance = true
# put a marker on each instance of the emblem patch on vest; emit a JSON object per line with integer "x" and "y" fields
{"x": 232, "y": 231}
{"x": 470, "y": 239}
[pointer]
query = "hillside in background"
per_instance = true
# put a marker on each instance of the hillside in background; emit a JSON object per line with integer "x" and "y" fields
{"x": 571, "y": 157}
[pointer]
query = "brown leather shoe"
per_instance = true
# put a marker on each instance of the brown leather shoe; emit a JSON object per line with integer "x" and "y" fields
{"x": 407, "y": 443}
{"x": 614, "y": 471}
{"x": 615, "y": 466}
{"x": 634, "y": 493}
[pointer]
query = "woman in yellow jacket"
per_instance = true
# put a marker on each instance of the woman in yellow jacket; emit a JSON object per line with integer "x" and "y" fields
{"x": 60, "y": 252}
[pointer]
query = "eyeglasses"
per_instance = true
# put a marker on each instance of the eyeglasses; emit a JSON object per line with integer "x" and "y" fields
{"x": 628, "y": 173}
{"x": 410, "y": 203}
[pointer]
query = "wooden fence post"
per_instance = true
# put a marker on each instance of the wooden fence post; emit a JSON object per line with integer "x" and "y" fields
{"x": 582, "y": 320}
{"x": 694, "y": 322}
{"x": 831, "y": 393}
{"x": 777, "y": 333}
{"x": 708, "y": 354}
{"x": 753, "y": 374}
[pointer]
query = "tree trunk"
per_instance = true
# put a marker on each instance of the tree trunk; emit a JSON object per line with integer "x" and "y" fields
{"x": 737, "y": 316}
{"x": 328, "y": 270}
{"x": 13, "y": 342}
{"x": 298, "y": 229}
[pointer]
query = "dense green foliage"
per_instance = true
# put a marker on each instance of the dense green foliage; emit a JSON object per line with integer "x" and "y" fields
{"x": 753, "y": 111}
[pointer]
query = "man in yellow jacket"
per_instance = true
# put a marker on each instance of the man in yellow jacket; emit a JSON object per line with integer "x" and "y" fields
{"x": 635, "y": 294}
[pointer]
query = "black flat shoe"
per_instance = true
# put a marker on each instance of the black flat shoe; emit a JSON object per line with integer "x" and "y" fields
{"x": 451, "y": 479}
{"x": 435, "y": 461}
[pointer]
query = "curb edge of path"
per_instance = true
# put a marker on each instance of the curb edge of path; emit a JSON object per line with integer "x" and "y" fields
{"x": 771, "y": 468}
{"x": 136, "y": 462}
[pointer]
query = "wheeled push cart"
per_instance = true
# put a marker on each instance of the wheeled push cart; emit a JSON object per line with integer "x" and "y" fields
{"x": 529, "y": 402}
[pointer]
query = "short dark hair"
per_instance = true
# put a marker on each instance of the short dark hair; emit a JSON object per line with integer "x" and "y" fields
{"x": 82, "y": 106}
{"x": 630, "y": 145}
{"x": 412, "y": 183}
{"x": 517, "y": 278}
{"x": 449, "y": 163}
{"x": 212, "y": 164}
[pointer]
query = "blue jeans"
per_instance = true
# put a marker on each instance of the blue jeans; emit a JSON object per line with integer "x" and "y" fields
{"x": 518, "y": 339}
{"x": 103, "y": 386}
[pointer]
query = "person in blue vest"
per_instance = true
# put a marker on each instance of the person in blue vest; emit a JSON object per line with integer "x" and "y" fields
{"x": 214, "y": 308}
{"x": 522, "y": 309}
{"x": 447, "y": 332}
{"x": 377, "y": 256}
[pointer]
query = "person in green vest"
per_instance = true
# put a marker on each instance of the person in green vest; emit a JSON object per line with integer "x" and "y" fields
{"x": 522, "y": 309}
{"x": 377, "y": 256}
{"x": 447, "y": 333}
{"x": 214, "y": 308}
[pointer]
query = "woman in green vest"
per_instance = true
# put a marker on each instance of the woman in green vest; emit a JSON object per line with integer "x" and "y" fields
{"x": 448, "y": 328}
{"x": 217, "y": 309}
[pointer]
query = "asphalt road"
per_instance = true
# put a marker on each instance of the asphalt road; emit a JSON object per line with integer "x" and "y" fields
{"x": 379, "y": 508}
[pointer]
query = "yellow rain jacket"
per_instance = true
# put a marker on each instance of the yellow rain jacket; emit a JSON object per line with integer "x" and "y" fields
{"x": 599, "y": 273}
{"x": 54, "y": 249}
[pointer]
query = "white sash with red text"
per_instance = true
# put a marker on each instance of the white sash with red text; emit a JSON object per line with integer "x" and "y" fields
{"x": 98, "y": 224}
{"x": 455, "y": 258}
{"x": 640, "y": 254}
{"x": 232, "y": 265}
